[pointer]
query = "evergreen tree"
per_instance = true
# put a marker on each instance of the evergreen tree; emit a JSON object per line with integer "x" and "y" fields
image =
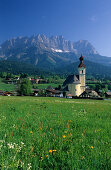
{"x": 98, "y": 87}
{"x": 23, "y": 75}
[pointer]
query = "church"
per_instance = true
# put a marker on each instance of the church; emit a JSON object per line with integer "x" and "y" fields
{"x": 75, "y": 84}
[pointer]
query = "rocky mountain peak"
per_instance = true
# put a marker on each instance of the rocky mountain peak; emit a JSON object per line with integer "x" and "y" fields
{"x": 85, "y": 47}
{"x": 41, "y": 42}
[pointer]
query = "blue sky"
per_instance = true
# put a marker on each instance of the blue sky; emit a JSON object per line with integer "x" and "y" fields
{"x": 74, "y": 19}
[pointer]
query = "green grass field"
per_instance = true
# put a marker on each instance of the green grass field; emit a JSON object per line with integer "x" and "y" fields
{"x": 7, "y": 87}
{"x": 44, "y": 86}
{"x": 53, "y": 133}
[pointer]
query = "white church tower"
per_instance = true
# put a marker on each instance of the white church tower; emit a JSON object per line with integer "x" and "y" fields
{"x": 82, "y": 74}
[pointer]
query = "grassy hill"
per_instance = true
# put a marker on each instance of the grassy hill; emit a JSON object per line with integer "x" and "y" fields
{"x": 53, "y": 133}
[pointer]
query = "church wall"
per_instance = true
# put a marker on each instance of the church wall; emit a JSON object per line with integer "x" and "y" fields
{"x": 74, "y": 89}
{"x": 78, "y": 92}
{"x": 82, "y": 78}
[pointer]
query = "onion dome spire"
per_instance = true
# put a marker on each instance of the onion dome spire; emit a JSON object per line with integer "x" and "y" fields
{"x": 81, "y": 62}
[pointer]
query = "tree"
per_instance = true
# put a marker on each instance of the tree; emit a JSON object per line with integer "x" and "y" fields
{"x": 98, "y": 87}
{"x": 9, "y": 75}
{"x": 25, "y": 87}
{"x": 64, "y": 93}
{"x": 58, "y": 88}
{"x": 3, "y": 74}
{"x": 23, "y": 75}
{"x": 42, "y": 77}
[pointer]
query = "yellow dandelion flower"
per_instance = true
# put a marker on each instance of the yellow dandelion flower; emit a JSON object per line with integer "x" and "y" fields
{"x": 46, "y": 156}
{"x": 50, "y": 151}
{"x": 64, "y": 136}
{"x": 92, "y": 147}
{"x": 31, "y": 132}
{"x": 65, "y": 132}
{"x": 41, "y": 157}
{"x": 54, "y": 150}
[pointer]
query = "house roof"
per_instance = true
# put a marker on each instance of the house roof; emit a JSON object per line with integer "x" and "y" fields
{"x": 53, "y": 91}
{"x": 8, "y": 93}
{"x": 50, "y": 88}
{"x": 71, "y": 79}
{"x": 108, "y": 93}
{"x": 36, "y": 90}
{"x": 69, "y": 95}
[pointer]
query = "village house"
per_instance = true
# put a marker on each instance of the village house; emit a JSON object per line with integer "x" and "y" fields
{"x": 108, "y": 94}
{"x": 75, "y": 84}
{"x": 35, "y": 92}
{"x": 53, "y": 93}
{"x": 89, "y": 93}
{"x": 38, "y": 81}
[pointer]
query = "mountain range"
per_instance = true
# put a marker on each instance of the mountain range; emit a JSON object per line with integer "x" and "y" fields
{"x": 50, "y": 53}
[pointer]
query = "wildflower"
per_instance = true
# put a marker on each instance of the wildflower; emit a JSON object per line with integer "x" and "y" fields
{"x": 31, "y": 132}
{"x": 41, "y": 157}
{"x": 50, "y": 151}
{"x": 64, "y": 136}
{"x": 82, "y": 157}
{"x": 54, "y": 150}
{"x": 65, "y": 132}
{"x": 46, "y": 156}
{"x": 10, "y": 145}
{"x": 22, "y": 164}
{"x": 92, "y": 147}
{"x": 29, "y": 166}
{"x": 22, "y": 143}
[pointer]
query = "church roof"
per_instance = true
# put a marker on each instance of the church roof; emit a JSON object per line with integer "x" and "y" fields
{"x": 66, "y": 89}
{"x": 72, "y": 79}
{"x": 81, "y": 65}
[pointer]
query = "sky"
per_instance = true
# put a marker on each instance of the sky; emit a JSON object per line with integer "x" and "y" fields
{"x": 74, "y": 19}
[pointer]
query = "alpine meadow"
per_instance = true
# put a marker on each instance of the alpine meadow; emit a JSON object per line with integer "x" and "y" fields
{"x": 55, "y": 84}
{"x": 54, "y": 133}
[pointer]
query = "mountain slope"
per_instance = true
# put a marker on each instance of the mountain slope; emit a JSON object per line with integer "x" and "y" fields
{"x": 19, "y": 67}
{"x": 93, "y": 69}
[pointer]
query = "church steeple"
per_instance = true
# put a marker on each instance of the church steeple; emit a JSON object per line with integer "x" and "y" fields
{"x": 82, "y": 73}
{"x": 81, "y": 62}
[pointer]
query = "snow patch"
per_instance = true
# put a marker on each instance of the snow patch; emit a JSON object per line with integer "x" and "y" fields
{"x": 59, "y": 51}
{"x": 56, "y": 50}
